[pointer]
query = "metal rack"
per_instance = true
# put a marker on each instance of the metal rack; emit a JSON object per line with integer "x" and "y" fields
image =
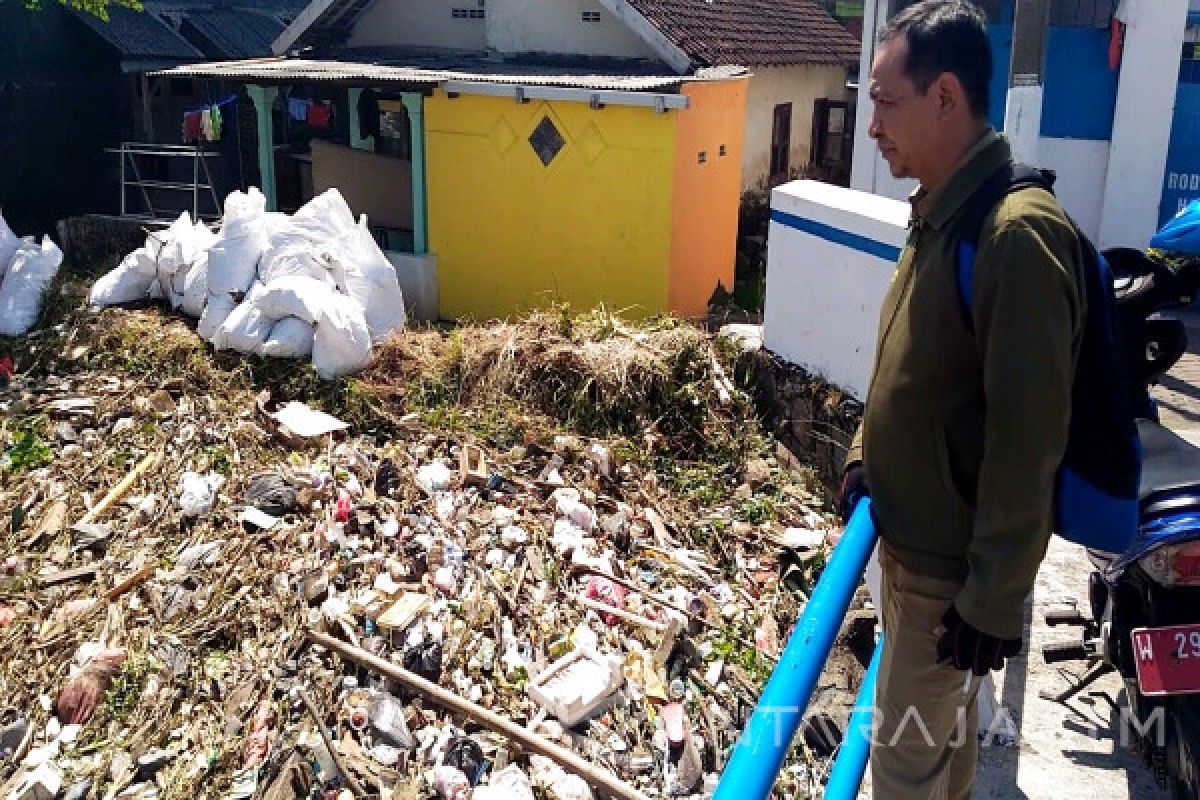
{"x": 129, "y": 153}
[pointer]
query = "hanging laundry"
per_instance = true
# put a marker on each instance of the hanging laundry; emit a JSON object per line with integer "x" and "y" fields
{"x": 193, "y": 127}
{"x": 216, "y": 123}
{"x": 298, "y": 108}
{"x": 319, "y": 114}
{"x": 206, "y": 125}
{"x": 368, "y": 115}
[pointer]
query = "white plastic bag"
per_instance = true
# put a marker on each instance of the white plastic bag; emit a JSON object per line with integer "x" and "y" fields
{"x": 295, "y": 296}
{"x": 233, "y": 258}
{"x": 510, "y": 783}
{"x": 246, "y": 328}
{"x": 342, "y": 344}
{"x": 125, "y": 284}
{"x": 28, "y": 275}
{"x": 195, "y": 287}
{"x": 290, "y": 337}
{"x": 363, "y": 272}
{"x": 296, "y": 244}
{"x": 216, "y": 310}
{"x": 9, "y": 244}
{"x": 197, "y": 493}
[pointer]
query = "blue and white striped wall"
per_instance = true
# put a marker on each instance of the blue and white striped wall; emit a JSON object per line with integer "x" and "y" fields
{"x": 830, "y": 258}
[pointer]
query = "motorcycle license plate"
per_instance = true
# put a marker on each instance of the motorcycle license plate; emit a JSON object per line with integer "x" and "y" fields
{"x": 1167, "y": 659}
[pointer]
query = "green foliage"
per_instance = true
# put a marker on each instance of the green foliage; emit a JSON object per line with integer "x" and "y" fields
{"x": 97, "y": 8}
{"x": 28, "y": 451}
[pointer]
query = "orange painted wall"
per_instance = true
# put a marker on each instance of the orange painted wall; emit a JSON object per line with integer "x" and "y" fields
{"x": 706, "y": 195}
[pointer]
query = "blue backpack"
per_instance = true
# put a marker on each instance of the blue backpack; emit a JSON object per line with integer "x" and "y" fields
{"x": 1096, "y": 491}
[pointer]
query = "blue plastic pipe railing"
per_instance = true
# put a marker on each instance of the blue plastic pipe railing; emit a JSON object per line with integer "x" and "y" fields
{"x": 759, "y": 754}
{"x": 851, "y": 763}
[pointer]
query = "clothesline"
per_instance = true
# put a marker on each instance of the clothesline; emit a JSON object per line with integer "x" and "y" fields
{"x": 224, "y": 102}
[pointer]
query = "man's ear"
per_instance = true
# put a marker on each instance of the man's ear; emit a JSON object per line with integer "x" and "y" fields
{"x": 949, "y": 93}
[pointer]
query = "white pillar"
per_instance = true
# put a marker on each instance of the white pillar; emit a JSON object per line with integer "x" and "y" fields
{"x": 862, "y": 167}
{"x": 1023, "y": 122}
{"x": 1142, "y": 121}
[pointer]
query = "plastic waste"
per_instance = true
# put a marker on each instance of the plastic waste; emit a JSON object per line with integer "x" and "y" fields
{"x": 29, "y": 273}
{"x": 197, "y": 493}
{"x": 342, "y": 344}
{"x": 451, "y": 783}
{"x": 290, "y": 337}
{"x": 216, "y": 310}
{"x": 233, "y": 258}
{"x": 510, "y": 783}
{"x": 9, "y": 243}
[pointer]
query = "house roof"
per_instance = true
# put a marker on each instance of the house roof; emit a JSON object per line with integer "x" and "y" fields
{"x": 756, "y": 33}
{"x": 140, "y": 36}
{"x": 292, "y": 70}
{"x": 238, "y": 33}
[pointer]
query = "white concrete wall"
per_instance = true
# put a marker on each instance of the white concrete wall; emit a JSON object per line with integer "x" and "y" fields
{"x": 420, "y": 23}
{"x": 557, "y": 26}
{"x": 823, "y": 297}
{"x": 1082, "y": 167}
{"x": 1142, "y": 121}
{"x": 769, "y": 86}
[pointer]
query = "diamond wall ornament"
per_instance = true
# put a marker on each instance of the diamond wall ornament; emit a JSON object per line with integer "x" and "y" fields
{"x": 502, "y": 136}
{"x": 546, "y": 141}
{"x": 591, "y": 142}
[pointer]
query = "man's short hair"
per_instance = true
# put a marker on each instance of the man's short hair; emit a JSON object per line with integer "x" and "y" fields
{"x": 946, "y": 36}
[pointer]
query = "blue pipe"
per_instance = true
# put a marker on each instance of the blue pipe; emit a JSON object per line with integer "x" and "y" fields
{"x": 759, "y": 754}
{"x": 846, "y": 776}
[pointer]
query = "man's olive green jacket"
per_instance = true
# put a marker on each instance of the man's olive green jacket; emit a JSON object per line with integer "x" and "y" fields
{"x": 966, "y": 424}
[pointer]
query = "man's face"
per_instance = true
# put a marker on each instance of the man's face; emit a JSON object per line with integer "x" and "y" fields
{"x": 905, "y": 122}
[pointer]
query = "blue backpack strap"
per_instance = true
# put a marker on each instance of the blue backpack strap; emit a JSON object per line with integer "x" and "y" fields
{"x": 966, "y": 276}
{"x": 1012, "y": 177}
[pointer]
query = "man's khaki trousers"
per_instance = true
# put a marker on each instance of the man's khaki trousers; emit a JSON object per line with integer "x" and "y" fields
{"x": 926, "y": 742}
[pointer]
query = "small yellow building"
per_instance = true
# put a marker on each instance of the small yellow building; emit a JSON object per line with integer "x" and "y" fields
{"x": 516, "y": 192}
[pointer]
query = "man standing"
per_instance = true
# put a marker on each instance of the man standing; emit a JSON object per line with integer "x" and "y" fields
{"x": 967, "y": 416}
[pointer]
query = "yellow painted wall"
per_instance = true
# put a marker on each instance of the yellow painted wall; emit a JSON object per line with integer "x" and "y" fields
{"x": 510, "y": 234}
{"x": 706, "y": 195}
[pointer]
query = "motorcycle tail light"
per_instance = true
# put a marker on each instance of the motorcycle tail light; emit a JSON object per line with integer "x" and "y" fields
{"x": 1174, "y": 565}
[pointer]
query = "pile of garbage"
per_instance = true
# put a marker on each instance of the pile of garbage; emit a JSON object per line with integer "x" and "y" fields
{"x": 26, "y": 269}
{"x": 314, "y": 283}
{"x": 219, "y": 595}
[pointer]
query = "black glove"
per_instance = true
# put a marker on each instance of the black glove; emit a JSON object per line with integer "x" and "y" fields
{"x": 966, "y": 647}
{"x": 854, "y": 488}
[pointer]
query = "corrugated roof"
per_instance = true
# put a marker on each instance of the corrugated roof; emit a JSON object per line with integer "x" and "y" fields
{"x": 294, "y": 70}
{"x": 238, "y": 33}
{"x": 139, "y": 35}
{"x": 751, "y": 32}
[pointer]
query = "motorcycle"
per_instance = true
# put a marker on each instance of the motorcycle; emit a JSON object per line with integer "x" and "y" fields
{"x": 1145, "y": 601}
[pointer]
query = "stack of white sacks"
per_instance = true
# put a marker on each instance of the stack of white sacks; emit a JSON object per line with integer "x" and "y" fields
{"x": 26, "y": 269}
{"x": 311, "y": 284}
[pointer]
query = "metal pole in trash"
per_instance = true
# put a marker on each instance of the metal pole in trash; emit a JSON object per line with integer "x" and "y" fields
{"x": 845, "y": 778}
{"x": 758, "y": 756}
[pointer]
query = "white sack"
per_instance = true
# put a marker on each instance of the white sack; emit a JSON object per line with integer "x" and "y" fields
{"x": 233, "y": 258}
{"x": 216, "y": 310}
{"x": 363, "y": 272}
{"x": 342, "y": 344}
{"x": 125, "y": 284}
{"x": 246, "y": 328}
{"x": 295, "y": 296}
{"x": 28, "y": 275}
{"x": 195, "y": 287}
{"x": 290, "y": 337}
{"x": 9, "y": 244}
{"x": 296, "y": 243}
